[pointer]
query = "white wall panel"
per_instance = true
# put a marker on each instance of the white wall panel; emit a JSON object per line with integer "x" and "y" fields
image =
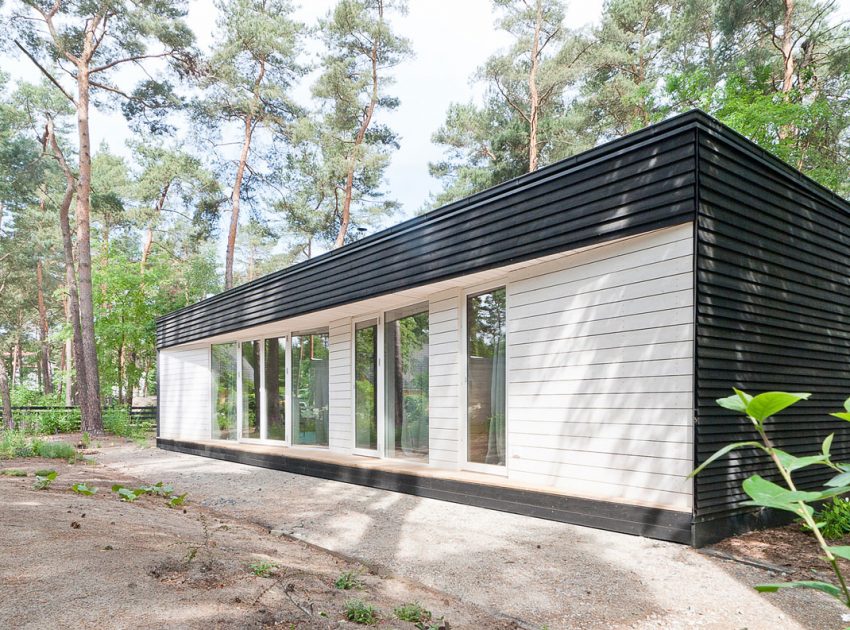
{"x": 185, "y": 395}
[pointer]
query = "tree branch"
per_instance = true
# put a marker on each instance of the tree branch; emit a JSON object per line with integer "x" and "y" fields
{"x": 134, "y": 58}
{"x": 44, "y": 71}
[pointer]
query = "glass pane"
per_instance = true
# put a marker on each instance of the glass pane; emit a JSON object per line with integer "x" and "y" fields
{"x": 366, "y": 385}
{"x": 406, "y": 385}
{"x": 224, "y": 391}
{"x": 485, "y": 375}
{"x": 250, "y": 389}
{"x": 275, "y": 358}
{"x": 310, "y": 388}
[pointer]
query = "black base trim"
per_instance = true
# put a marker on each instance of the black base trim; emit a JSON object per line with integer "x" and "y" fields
{"x": 655, "y": 523}
{"x": 711, "y": 531}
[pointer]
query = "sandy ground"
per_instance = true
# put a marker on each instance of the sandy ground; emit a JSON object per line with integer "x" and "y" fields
{"x": 71, "y": 561}
{"x": 539, "y": 573}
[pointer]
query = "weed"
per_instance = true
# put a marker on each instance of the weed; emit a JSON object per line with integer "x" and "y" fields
{"x": 15, "y": 444}
{"x": 54, "y": 450}
{"x": 84, "y": 489}
{"x": 262, "y": 569}
{"x": 85, "y": 439}
{"x": 412, "y": 612}
{"x": 177, "y": 500}
{"x": 358, "y": 611}
{"x": 43, "y": 479}
{"x": 13, "y": 472}
{"x": 127, "y": 494}
{"x": 348, "y": 580}
{"x": 440, "y": 624}
{"x": 834, "y": 518}
{"x": 158, "y": 489}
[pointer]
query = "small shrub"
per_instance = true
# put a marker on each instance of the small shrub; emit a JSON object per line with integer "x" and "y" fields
{"x": 43, "y": 479}
{"x": 262, "y": 569}
{"x": 54, "y": 450}
{"x": 412, "y": 612}
{"x": 348, "y": 580}
{"x": 13, "y": 472}
{"x": 84, "y": 489}
{"x": 358, "y": 611}
{"x": 14, "y": 444}
{"x": 834, "y": 518}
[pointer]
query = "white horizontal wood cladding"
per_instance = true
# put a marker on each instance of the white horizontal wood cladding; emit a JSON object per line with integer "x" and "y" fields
{"x": 600, "y": 371}
{"x": 444, "y": 379}
{"x": 185, "y": 396}
{"x": 340, "y": 429}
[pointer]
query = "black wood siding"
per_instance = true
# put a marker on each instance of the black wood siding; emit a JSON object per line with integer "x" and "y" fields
{"x": 773, "y": 313}
{"x": 641, "y": 182}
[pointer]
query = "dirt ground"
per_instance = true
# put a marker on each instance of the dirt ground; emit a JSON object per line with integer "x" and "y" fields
{"x": 145, "y": 565}
{"x": 72, "y": 561}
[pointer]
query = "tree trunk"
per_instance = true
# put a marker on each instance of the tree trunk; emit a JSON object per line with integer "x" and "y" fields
{"x": 148, "y": 244}
{"x": 5, "y": 395}
{"x": 358, "y": 140}
{"x": 533, "y": 94}
{"x": 17, "y": 361}
{"x": 788, "y": 48}
{"x": 92, "y": 420}
{"x": 47, "y": 381}
{"x": 235, "y": 198}
{"x": 73, "y": 302}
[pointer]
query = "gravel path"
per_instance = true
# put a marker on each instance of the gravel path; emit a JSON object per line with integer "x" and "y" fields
{"x": 542, "y": 573}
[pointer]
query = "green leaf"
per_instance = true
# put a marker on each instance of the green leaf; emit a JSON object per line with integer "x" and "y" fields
{"x": 84, "y": 489}
{"x": 792, "y": 463}
{"x": 842, "y": 479}
{"x": 765, "y": 493}
{"x": 847, "y": 405}
{"x": 827, "y": 445}
{"x": 769, "y": 404}
{"x": 841, "y": 415}
{"x": 126, "y": 494}
{"x": 722, "y": 452}
{"x": 824, "y": 587}
{"x": 736, "y": 402}
{"x": 841, "y": 552}
{"x": 177, "y": 500}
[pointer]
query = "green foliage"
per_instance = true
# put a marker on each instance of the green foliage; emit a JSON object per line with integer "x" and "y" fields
{"x": 15, "y": 444}
{"x": 13, "y": 472}
{"x": 43, "y": 479}
{"x": 127, "y": 495}
{"x": 348, "y": 580}
{"x": 84, "y": 489}
{"x": 54, "y": 450}
{"x": 412, "y": 612}
{"x": 263, "y": 569}
{"x": 358, "y": 611}
{"x": 833, "y": 518}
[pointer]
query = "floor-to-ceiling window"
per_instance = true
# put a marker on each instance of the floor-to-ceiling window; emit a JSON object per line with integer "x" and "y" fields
{"x": 406, "y": 382}
{"x": 310, "y": 388}
{"x": 485, "y": 376}
{"x": 251, "y": 389}
{"x": 274, "y": 353}
{"x": 224, "y": 394}
{"x": 366, "y": 385}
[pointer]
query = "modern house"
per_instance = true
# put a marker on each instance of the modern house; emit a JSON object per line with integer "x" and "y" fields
{"x": 552, "y": 346}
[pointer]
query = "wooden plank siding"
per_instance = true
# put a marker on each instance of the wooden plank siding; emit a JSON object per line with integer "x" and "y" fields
{"x": 773, "y": 313}
{"x": 444, "y": 379}
{"x": 185, "y": 394}
{"x": 599, "y": 381}
{"x": 341, "y": 422}
{"x": 639, "y": 183}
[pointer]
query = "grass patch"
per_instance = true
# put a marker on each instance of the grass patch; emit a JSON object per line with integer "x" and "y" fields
{"x": 358, "y": 611}
{"x": 15, "y": 444}
{"x": 412, "y": 612}
{"x": 348, "y": 580}
{"x": 13, "y": 472}
{"x": 262, "y": 569}
{"x": 54, "y": 450}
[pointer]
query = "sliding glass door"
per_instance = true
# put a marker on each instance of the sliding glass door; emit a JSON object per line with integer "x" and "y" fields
{"x": 366, "y": 385}
{"x": 250, "y": 390}
{"x": 224, "y": 368}
{"x": 406, "y": 382}
{"x": 274, "y": 383}
{"x": 485, "y": 377}
{"x": 310, "y": 388}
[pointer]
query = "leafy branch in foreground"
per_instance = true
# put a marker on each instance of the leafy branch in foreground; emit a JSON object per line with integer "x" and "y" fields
{"x": 767, "y": 494}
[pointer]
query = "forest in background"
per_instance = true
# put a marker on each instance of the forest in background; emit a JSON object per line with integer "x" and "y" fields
{"x": 94, "y": 245}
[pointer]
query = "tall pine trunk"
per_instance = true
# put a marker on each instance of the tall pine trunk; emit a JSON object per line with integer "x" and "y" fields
{"x": 47, "y": 381}
{"x": 92, "y": 418}
{"x": 5, "y": 395}
{"x": 235, "y": 198}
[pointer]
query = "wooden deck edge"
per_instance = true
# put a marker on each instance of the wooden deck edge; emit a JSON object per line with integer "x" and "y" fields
{"x": 657, "y": 523}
